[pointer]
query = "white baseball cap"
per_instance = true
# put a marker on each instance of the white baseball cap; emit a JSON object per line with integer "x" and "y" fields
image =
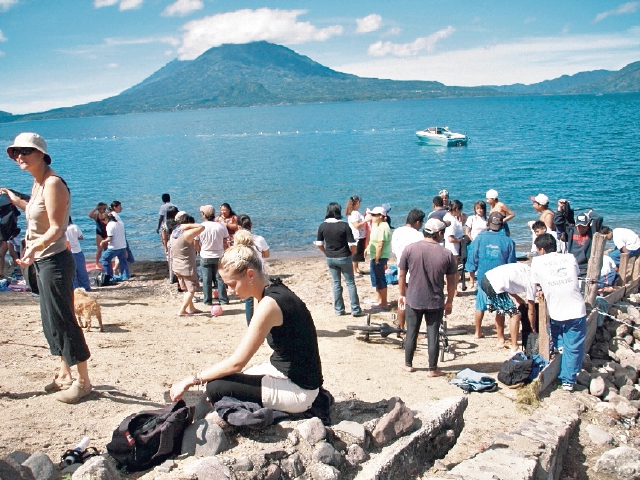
{"x": 491, "y": 193}
{"x": 434, "y": 225}
{"x": 378, "y": 211}
{"x": 541, "y": 198}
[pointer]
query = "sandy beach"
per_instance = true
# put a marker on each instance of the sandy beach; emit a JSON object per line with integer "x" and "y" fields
{"x": 145, "y": 347}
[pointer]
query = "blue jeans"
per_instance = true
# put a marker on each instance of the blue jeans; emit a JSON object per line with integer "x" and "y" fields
{"x": 569, "y": 335}
{"x": 209, "y": 269}
{"x": 222, "y": 290}
{"x": 615, "y": 255}
{"x": 344, "y": 267}
{"x": 81, "y": 277}
{"x": 105, "y": 262}
{"x": 376, "y": 272}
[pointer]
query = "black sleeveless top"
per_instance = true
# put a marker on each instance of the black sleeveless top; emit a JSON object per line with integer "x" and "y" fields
{"x": 294, "y": 343}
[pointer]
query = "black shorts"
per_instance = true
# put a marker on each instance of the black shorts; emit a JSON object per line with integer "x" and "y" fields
{"x": 359, "y": 255}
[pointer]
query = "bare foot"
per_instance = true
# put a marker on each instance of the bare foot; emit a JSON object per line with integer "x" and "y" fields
{"x": 194, "y": 312}
{"x": 501, "y": 344}
{"x": 435, "y": 373}
{"x": 481, "y": 335}
{"x": 407, "y": 368}
{"x": 513, "y": 351}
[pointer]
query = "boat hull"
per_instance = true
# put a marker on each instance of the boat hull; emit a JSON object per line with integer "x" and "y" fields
{"x": 442, "y": 140}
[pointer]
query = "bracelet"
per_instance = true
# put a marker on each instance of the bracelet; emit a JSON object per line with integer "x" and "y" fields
{"x": 40, "y": 243}
{"x": 197, "y": 379}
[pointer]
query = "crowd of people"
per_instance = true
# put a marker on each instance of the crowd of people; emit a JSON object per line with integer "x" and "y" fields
{"x": 433, "y": 251}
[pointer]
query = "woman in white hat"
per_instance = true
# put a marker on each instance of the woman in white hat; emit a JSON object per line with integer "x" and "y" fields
{"x": 47, "y": 213}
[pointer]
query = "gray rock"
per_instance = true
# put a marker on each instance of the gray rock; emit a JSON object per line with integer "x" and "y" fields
{"x": 629, "y": 392}
{"x": 597, "y": 386}
{"x": 629, "y": 339}
{"x": 586, "y": 363}
{"x": 397, "y": 422}
{"x": 584, "y": 378}
{"x": 204, "y": 438}
{"x": 622, "y": 331}
{"x": 71, "y": 468}
{"x": 243, "y": 464}
{"x": 41, "y": 466}
{"x": 320, "y": 471}
{"x": 356, "y": 455}
{"x": 598, "y": 436}
{"x": 101, "y": 467}
{"x": 312, "y": 430}
{"x": 626, "y": 410}
{"x": 209, "y": 468}
{"x": 620, "y": 459}
{"x": 325, "y": 453}
{"x": 611, "y": 394}
{"x": 165, "y": 467}
{"x": 293, "y": 465}
{"x": 272, "y": 472}
{"x": 350, "y": 432}
{"x": 621, "y": 352}
{"x": 12, "y": 470}
{"x": 19, "y": 456}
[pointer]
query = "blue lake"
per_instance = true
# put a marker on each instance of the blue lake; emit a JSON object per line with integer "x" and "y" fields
{"x": 282, "y": 165}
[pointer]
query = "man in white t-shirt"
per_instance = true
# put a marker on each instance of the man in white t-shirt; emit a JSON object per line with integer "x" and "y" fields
{"x": 557, "y": 275}
{"x": 625, "y": 240}
{"x": 403, "y": 236}
{"x": 211, "y": 245}
{"x": 503, "y": 283}
{"x": 166, "y": 203}
{"x": 115, "y": 245}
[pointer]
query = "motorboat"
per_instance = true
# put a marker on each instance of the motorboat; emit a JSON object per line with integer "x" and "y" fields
{"x": 441, "y": 136}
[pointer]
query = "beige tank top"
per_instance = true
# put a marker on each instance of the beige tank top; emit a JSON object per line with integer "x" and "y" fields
{"x": 38, "y": 221}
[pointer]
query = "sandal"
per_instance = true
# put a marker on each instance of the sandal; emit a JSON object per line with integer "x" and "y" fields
{"x": 58, "y": 385}
{"x": 74, "y": 393}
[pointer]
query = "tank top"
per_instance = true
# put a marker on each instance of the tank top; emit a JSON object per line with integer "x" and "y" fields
{"x": 295, "y": 342}
{"x": 38, "y": 221}
{"x": 183, "y": 255}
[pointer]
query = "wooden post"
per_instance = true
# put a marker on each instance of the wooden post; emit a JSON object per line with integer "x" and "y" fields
{"x": 636, "y": 268}
{"x": 543, "y": 330}
{"x": 594, "y": 268}
{"x": 623, "y": 268}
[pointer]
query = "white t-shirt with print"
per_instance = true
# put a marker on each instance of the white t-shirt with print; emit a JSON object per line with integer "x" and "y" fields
{"x": 557, "y": 275}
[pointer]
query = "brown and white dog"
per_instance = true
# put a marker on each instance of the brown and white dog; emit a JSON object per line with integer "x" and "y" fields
{"x": 86, "y": 307}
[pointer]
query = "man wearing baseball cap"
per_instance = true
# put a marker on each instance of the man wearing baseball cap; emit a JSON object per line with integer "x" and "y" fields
{"x": 579, "y": 237}
{"x": 489, "y": 250}
{"x": 428, "y": 263}
{"x": 540, "y": 204}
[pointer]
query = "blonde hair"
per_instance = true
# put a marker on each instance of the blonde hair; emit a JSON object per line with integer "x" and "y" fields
{"x": 240, "y": 258}
{"x": 243, "y": 237}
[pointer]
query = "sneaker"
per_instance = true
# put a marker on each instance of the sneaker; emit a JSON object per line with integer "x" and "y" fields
{"x": 568, "y": 387}
{"x": 358, "y": 314}
{"x": 74, "y": 393}
{"x": 339, "y": 314}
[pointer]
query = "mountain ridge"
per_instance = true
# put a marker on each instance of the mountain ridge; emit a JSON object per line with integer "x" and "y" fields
{"x": 262, "y": 73}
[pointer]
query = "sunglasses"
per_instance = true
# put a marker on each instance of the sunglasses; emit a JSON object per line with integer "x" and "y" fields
{"x": 16, "y": 151}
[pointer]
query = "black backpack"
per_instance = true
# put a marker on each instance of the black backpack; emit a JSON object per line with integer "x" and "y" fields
{"x": 8, "y": 219}
{"x": 148, "y": 438}
{"x": 516, "y": 370}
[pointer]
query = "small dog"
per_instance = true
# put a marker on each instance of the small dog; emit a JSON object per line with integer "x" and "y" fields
{"x": 86, "y": 307}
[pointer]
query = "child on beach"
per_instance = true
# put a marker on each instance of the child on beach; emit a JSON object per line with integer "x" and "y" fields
{"x": 81, "y": 277}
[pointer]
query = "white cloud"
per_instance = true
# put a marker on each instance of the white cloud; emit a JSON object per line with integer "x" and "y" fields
{"x": 629, "y": 7}
{"x": 528, "y": 60}
{"x": 243, "y": 26}
{"x": 392, "y": 31}
{"x": 124, "y": 4}
{"x": 380, "y": 49}
{"x": 112, "y": 65}
{"x": 529, "y": 20}
{"x": 6, "y": 4}
{"x": 2, "y": 37}
{"x": 93, "y": 50}
{"x": 182, "y": 7}
{"x": 370, "y": 23}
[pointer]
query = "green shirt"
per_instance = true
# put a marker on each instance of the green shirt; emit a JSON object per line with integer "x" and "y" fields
{"x": 380, "y": 233}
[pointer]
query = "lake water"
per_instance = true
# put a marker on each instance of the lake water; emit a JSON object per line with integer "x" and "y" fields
{"x": 282, "y": 165}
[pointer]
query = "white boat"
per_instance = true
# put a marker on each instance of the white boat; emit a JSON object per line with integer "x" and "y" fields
{"x": 442, "y": 137}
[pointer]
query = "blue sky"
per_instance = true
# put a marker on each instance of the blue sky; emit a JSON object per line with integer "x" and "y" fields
{"x": 56, "y": 53}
